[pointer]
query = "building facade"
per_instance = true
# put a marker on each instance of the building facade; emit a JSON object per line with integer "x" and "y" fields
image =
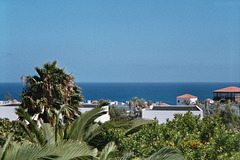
{"x": 229, "y": 93}
{"x": 181, "y": 99}
{"x": 162, "y": 113}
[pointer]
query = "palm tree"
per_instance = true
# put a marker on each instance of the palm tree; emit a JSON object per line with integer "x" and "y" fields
{"x": 82, "y": 129}
{"x": 206, "y": 104}
{"x": 214, "y": 107}
{"x": 135, "y": 99}
{"x": 62, "y": 151}
{"x": 45, "y": 93}
{"x": 130, "y": 103}
{"x": 238, "y": 105}
{"x": 149, "y": 103}
{"x": 75, "y": 150}
{"x": 70, "y": 141}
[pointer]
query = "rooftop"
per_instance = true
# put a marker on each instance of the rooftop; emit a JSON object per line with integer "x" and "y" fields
{"x": 177, "y": 108}
{"x": 208, "y": 99}
{"x": 164, "y": 104}
{"x": 86, "y": 105}
{"x": 228, "y": 89}
{"x": 186, "y": 96}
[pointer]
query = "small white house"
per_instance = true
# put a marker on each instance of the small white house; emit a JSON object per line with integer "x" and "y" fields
{"x": 209, "y": 100}
{"x": 191, "y": 98}
{"x": 162, "y": 113}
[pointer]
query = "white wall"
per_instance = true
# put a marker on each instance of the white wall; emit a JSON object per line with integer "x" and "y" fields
{"x": 103, "y": 118}
{"x": 181, "y": 100}
{"x": 163, "y": 115}
{"x": 8, "y": 112}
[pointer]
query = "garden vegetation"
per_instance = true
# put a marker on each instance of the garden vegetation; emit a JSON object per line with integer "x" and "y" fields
{"x": 51, "y": 127}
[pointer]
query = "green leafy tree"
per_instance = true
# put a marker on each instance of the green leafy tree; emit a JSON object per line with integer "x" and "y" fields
{"x": 230, "y": 117}
{"x": 215, "y": 108}
{"x": 117, "y": 114}
{"x": 44, "y": 94}
{"x": 196, "y": 138}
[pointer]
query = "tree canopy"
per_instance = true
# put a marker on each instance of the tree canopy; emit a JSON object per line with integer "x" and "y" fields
{"x": 44, "y": 94}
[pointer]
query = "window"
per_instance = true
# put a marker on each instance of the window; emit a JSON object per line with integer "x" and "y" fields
{"x": 228, "y": 94}
{"x": 215, "y": 94}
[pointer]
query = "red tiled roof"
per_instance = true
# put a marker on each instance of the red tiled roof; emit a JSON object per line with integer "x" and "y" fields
{"x": 94, "y": 102}
{"x": 209, "y": 99}
{"x": 228, "y": 89}
{"x": 164, "y": 104}
{"x": 186, "y": 96}
{"x": 14, "y": 101}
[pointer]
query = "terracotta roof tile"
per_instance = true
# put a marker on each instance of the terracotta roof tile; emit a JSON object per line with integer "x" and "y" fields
{"x": 228, "y": 89}
{"x": 164, "y": 104}
{"x": 208, "y": 99}
{"x": 186, "y": 96}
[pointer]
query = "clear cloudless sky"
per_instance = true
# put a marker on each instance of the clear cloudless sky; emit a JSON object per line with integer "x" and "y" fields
{"x": 122, "y": 40}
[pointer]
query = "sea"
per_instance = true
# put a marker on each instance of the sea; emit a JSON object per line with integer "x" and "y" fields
{"x": 157, "y": 92}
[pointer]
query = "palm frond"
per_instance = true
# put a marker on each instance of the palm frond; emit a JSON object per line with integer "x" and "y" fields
{"x": 20, "y": 112}
{"x": 92, "y": 131}
{"x": 82, "y": 123}
{"x": 137, "y": 124}
{"x": 127, "y": 156}
{"x": 167, "y": 153}
{"x": 27, "y": 131}
{"x": 75, "y": 150}
{"x": 61, "y": 151}
{"x": 5, "y": 146}
{"x": 108, "y": 150}
{"x": 48, "y": 133}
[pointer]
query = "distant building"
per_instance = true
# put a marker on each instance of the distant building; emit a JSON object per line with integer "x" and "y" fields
{"x": 191, "y": 98}
{"x": 229, "y": 93}
{"x": 7, "y": 110}
{"x": 209, "y": 100}
{"x": 162, "y": 113}
{"x": 163, "y": 104}
{"x": 87, "y": 107}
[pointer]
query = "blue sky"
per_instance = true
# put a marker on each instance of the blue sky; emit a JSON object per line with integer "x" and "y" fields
{"x": 122, "y": 40}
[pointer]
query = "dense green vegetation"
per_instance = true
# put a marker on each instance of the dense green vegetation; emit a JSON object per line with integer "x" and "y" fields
{"x": 51, "y": 127}
{"x": 213, "y": 137}
{"x": 207, "y": 138}
{"x": 75, "y": 141}
{"x": 14, "y": 127}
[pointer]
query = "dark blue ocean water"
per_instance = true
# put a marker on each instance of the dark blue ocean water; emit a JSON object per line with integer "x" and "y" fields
{"x": 164, "y": 92}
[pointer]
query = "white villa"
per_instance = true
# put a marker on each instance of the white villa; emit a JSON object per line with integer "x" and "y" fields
{"x": 191, "y": 98}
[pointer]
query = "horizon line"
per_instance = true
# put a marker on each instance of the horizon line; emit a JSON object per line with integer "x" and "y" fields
{"x": 145, "y": 82}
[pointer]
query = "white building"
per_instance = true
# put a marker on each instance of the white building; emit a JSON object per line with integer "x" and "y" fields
{"x": 191, "y": 98}
{"x": 8, "y": 111}
{"x": 87, "y": 107}
{"x": 162, "y": 113}
{"x": 209, "y": 100}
